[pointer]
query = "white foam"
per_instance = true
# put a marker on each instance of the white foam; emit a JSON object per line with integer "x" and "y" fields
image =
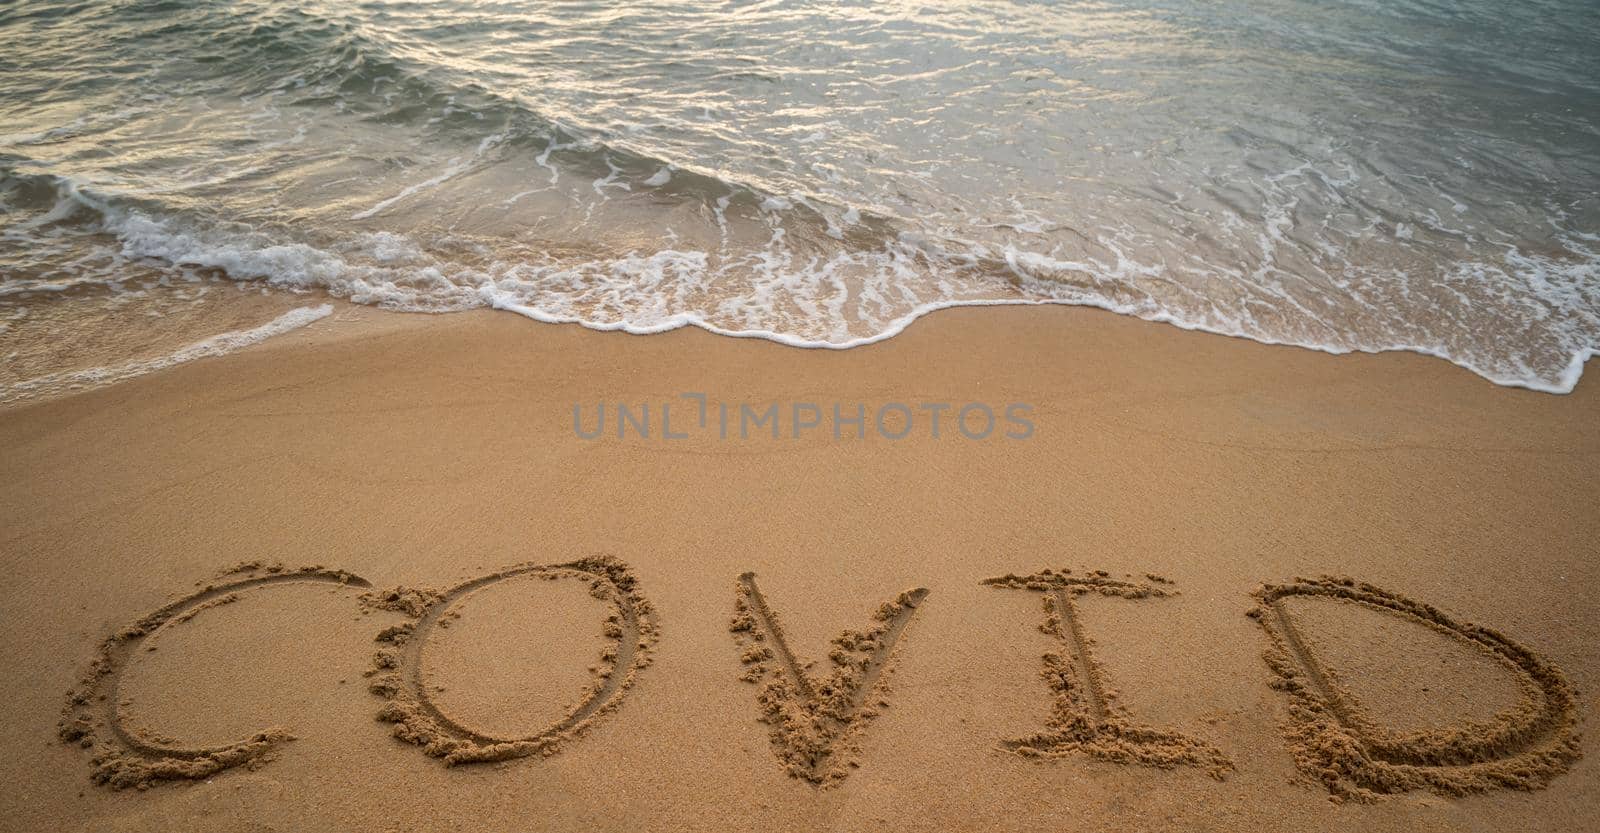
{"x": 661, "y": 177}
{"x": 217, "y": 345}
{"x": 652, "y": 294}
{"x": 794, "y": 295}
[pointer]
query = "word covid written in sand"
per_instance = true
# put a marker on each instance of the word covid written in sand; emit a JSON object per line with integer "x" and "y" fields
{"x": 816, "y": 720}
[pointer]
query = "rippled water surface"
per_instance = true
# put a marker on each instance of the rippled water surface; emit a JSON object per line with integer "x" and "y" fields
{"x": 1358, "y": 175}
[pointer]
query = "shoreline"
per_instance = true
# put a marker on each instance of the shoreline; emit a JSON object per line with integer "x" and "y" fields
{"x": 1567, "y": 382}
{"x": 426, "y": 452}
{"x": 299, "y": 316}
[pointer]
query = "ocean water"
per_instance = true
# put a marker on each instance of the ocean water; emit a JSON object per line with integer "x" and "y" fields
{"x": 1347, "y": 175}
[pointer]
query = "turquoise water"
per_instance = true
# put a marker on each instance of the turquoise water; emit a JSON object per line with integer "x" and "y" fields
{"x": 1344, "y": 176}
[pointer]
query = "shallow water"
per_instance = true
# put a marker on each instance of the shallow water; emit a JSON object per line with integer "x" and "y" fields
{"x": 1349, "y": 176}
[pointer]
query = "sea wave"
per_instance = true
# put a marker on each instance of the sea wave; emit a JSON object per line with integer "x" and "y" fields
{"x": 797, "y": 304}
{"x": 1215, "y": 170}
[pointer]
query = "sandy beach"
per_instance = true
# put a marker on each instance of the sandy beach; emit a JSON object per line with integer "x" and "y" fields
{"x": 780, "y": 633}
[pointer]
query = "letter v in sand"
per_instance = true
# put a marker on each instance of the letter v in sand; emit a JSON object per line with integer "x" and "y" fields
{"x": 815, "y": 723}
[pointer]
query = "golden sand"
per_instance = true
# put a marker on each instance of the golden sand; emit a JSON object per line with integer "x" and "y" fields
{"x": 1102, "y": 626}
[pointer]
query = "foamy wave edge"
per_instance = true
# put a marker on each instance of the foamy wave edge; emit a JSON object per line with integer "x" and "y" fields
{"x": 300, "y": 266}
{"x": 309, "y": 268}
{"x": 217, "y": 345}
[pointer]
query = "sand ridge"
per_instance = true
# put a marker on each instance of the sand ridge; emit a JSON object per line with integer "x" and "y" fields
{"x": 816, "y": 723}
{"x": 1335, "y": 740}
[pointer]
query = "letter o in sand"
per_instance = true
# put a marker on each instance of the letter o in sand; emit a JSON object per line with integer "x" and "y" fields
{"x": 418, "y": 719}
